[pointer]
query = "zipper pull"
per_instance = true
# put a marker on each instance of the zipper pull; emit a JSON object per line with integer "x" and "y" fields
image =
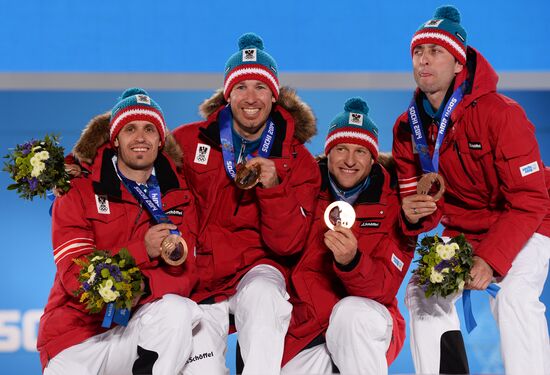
{"x": 241, "y": 153}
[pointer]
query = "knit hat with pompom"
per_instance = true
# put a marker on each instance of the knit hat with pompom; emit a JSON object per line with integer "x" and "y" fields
{"x": 251, "y": 62}
{"x": 353, "y": 126}
{"x": 445, "y": 30}
{"x": 135, "y": 104}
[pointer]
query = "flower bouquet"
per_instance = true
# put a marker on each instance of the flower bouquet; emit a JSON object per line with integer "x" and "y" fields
{"x": 443, "y": 267}
{"x": 108, "y": 280}
{"x": 36, "y": 167}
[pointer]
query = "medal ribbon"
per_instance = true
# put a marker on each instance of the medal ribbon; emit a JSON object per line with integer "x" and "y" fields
{"x": 431, "y": 164}
{"x": 469, "y": 319}
{"x": 150, "y": 198}
{"x": 226, "y": 138}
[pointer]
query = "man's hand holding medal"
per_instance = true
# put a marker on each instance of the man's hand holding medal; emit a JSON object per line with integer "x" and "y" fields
{"x": 339, "y": 218}
{"x": 256, "y": 170}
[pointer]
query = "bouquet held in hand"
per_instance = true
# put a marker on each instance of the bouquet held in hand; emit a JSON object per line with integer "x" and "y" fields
{"x": 108, "y": 279}
{"x": 36, "y": 167}
{"x": 443, "y": 267}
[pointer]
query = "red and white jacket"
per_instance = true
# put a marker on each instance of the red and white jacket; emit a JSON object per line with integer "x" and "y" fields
{"x": 239, "y": 229}
{"x": 99, "y": 213}
{"x": 384, "y": 256}
{"x": 496, "y": 184}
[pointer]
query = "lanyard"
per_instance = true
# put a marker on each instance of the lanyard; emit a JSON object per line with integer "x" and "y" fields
{"x": 226, "y": 138}
{"x": 431, "y": 164}
{"x": 148, "y": 197}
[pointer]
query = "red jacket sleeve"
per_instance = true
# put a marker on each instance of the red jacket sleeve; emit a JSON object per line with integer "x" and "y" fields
{"x": 408, "y": 174}
{"x": 378, "y": 274}
{"x": 287, "y": 209}
{"x": 522, "y": 183}
{"x": 72, "y": 237}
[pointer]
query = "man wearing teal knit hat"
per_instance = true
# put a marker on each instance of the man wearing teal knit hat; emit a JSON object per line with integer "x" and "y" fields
{"x": 255, "y": 185}
{"x": 351, "y": 269}
{"x": 480, "y": 145}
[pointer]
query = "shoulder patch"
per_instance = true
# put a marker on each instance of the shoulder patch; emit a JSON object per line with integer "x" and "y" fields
{"x": 102, "y": 204}
{"x": 528, "y": 169}
{"x": 398, "y": 263}
{"x": 202, "y": 153}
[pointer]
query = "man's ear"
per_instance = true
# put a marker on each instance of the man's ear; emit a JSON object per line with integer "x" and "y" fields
{"x": 116, "y": 142}
{"x": 458, "y": 67}
{"x": 273, "y": 100}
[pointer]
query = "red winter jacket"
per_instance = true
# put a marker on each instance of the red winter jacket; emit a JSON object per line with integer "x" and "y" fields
{"x": 317, "y": 284}
{"x": 79, "y": 227}
{"x": 239, "y": 229}
{"x": 496, "y": 192}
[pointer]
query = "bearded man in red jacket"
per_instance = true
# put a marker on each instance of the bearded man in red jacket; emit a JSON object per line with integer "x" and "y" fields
{"x": 255, "y": 185}
{"x": 483, "y": 146}
{"x": 130, "y": 146}
{"x": 344, "y": 285}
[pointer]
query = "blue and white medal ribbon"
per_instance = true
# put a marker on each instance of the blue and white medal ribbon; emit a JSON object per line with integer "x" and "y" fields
{"x": 431, "y": 164}
{"x": 226, "y": 139}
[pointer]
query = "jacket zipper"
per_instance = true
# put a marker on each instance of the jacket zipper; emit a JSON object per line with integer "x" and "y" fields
{"x": 137, "y": 219}
{"x": 455, "y": 145}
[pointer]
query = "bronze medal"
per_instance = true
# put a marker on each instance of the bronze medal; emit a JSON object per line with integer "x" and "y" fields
{"x": 339, "y": 213}
{"x": 173, "y": 250}
{"x": 431, "y": 184}
{"x": 247, "y": 177}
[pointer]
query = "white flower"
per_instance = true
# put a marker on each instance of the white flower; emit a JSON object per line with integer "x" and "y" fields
{"x": 37, "y": 170}
{"x": 445, "y": 270}
{"x": 461, "y": 285}
{"x": 92, "y": 277}
{"x": 90, "y": 268}
{"x": 108, "y": 260}
{"x": 37, "y": 165}
{"x": 436, "y": 277}
{"x": 97, "y": 257}
{"x": 107, "y": 293}
{"x": 454, "y": 246}
{"x": 446, "y": 252}
{"x": 42, "y": 155}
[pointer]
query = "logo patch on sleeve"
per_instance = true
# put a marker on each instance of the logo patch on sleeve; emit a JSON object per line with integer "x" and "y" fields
{"x": 370, "y": 224}
{"x": 102, "y": 204}
{"x": 528, "y": 169}
{"x": 202, "y": 153}
{"x": 397, "y": 262}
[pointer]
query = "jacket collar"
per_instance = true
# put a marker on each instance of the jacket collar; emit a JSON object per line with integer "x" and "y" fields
{"x": 107, "y": 182}
{"x": 370, "y": 195}
{"x": 211, "y": 132}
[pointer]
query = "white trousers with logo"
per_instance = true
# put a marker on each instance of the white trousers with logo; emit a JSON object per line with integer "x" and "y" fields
{"x": 358, "y": 337}
{"x": 262, "y": 315}
{"x": 517, "y": 309}
{"x": 163, "y": 326}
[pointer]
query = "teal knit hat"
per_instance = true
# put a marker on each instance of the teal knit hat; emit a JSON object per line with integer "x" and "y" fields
{"x": 251, "y": 62}
{"x": 445, "y": 30}
{"x": 353, "y": 126}
{"x": 134, "y": 105}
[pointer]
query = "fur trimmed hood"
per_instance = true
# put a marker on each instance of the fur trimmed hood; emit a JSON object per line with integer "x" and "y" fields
{"x": 96, "y": 134}
{"x": 305, "y": 126}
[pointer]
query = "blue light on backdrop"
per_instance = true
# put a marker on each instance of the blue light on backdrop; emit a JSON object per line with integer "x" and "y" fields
{"x": 44, "y": 43}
